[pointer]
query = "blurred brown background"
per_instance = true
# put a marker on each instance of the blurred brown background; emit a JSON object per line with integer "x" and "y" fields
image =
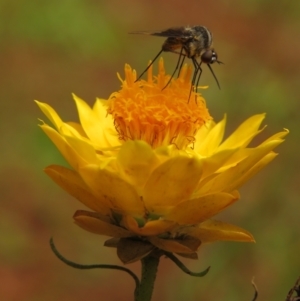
{"x": 52, "y": 48}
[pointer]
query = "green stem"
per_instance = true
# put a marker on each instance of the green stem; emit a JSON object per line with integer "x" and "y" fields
{"x": 149, "y": 270}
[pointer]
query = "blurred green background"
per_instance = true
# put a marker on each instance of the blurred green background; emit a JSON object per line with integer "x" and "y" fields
{"x": 53, "y": 48}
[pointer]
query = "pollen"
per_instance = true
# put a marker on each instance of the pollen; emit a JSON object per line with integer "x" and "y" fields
{"x": 157, "y": 112}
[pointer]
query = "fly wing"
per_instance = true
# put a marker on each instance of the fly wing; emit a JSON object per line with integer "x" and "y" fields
{"x": 174, "y": 32}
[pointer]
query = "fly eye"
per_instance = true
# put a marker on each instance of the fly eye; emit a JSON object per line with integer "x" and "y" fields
{"x": 209, "y": 57}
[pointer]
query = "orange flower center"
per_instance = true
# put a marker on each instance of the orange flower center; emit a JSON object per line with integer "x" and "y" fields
{"x": 147, "y": 110}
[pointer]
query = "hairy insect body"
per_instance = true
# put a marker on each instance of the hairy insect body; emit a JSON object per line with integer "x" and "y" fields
{"x": 193, "y": 42}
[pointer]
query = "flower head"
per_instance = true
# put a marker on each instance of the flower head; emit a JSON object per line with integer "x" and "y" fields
{"x": 153, "y": 166}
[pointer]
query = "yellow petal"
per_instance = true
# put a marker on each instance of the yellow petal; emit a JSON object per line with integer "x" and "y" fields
{"x": 92, "y": 121}
{"x": 137, "y": 160}
{"x": 242, "y": 169}
{"x": 229, "y": 179}
{"x": 210, "y": 143}
{"x": 71, "y": 182}
{"x": 217, "y": 161}
{"x": 151, "y": 228}
{"x": 244, "y": 133}
{"x": 237, "y": 156}
{"x": 212, "y": 230}
{"x": 119, "y": 195}
{"x": 255, "y": 169}
{"x": 277, "y": 136}
{"x": 64, "y": 147}
{"x": 172, "y": 182}
{"x": 108, "y": 134}
{"x": 77, "y": 129}
{"x": 50, "y": 113}
{"x": 203, "y": 132}
{"x": 95, "y": 225}
{"x": 71, "y": 130}
{"x": 197, "y": 210}
{"x": 83, "y": 148}
{"x": 274, "y": 140}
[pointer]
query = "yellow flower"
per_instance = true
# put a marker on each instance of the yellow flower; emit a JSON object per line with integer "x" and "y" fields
{"x": 153, "y": 166}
